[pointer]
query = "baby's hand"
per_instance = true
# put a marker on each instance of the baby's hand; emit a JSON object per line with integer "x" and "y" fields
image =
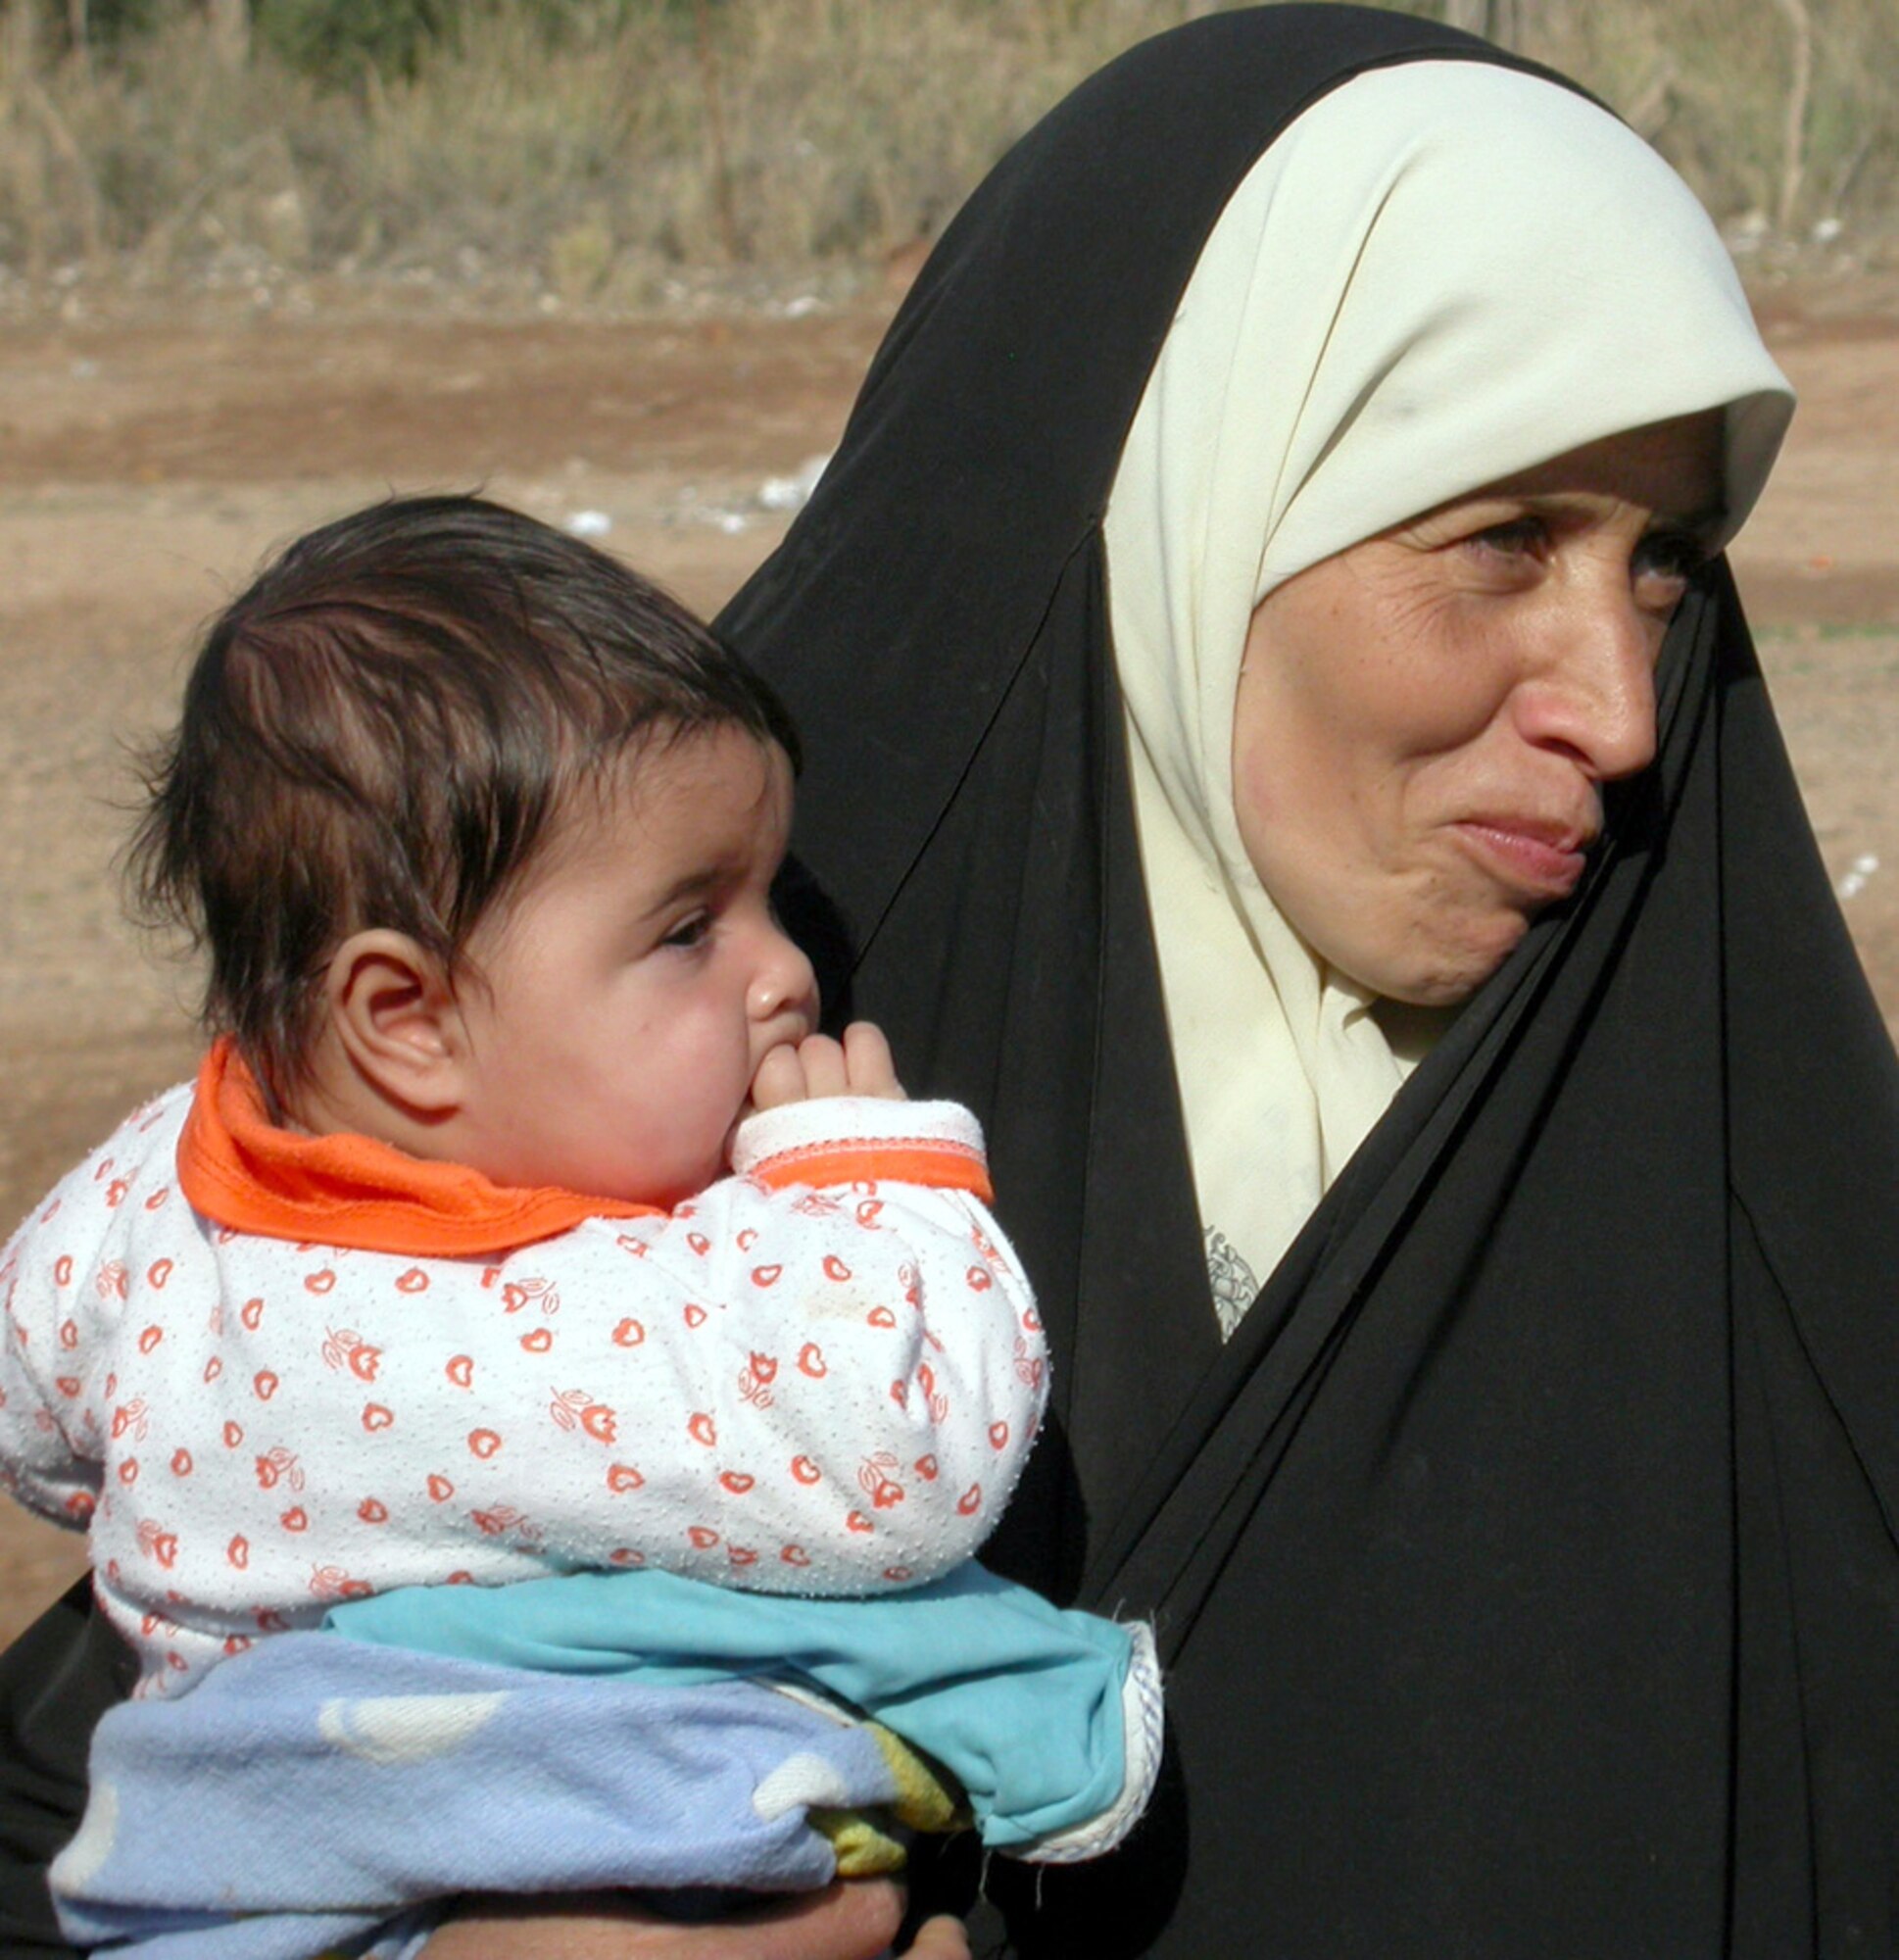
{"x": 858, "y": 1065}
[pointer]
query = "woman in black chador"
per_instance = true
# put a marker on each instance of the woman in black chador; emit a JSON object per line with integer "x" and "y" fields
{"x": 1283, "y": 745}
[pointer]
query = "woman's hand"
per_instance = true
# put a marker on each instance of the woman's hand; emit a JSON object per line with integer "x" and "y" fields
{"x": 855, "y": 1920}
{"x": 858, "y": 1065}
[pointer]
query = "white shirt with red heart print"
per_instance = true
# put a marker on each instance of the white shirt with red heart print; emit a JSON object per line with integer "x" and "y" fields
{"x": 787, "y": 1385}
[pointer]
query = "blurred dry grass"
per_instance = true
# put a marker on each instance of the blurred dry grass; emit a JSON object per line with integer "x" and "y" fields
{"x": 785, "y": 134}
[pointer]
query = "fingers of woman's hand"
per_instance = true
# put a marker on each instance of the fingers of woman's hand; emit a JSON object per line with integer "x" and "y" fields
{"x": 843, "y": 1922}
{"x": 938, "y": 1939}
{"x": 855, "y": 1920}
{"x": 780, "y": 1079}
{"x": 867, "y": 1063}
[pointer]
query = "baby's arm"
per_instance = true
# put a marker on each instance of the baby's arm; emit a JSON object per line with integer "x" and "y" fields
{"x": 49, "y": 1442}
{"x": 861, "y": 1362}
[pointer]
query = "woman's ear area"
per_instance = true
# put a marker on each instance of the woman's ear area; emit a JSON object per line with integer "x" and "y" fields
{"x": 392, "y": 1011}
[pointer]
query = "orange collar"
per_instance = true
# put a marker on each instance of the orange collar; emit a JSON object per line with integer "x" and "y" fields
{"x": 239, "y": 1170}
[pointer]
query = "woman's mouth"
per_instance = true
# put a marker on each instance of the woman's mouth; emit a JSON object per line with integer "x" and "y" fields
{"x": 1539, "y": 860}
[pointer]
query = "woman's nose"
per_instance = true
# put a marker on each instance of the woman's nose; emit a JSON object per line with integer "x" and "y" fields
{"x": 1594, "y": 698}
{"x": 785, "y": 983}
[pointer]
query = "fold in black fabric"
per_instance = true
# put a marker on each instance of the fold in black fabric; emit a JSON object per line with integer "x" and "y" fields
{"x": 55, "y": 1683}
{"x": 1525, "y": 1564}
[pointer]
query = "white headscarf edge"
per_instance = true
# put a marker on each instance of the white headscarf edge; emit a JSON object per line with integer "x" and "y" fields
{"x": 1442, "y": 273}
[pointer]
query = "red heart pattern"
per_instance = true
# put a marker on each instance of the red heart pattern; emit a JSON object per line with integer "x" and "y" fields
{"x": 902, "y": 1431}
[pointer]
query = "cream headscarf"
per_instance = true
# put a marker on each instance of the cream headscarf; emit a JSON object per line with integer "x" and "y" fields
{"x": 1441, "y": 275}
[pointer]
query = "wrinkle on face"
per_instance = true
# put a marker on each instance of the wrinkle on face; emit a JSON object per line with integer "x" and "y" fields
{"x": 1424, "y": 721}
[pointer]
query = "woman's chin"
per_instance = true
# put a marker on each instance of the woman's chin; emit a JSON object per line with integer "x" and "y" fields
{"x": 1436, "y": 969}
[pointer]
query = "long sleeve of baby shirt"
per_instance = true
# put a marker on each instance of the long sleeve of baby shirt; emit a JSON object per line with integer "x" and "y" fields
{"x": 820, "y": 1377}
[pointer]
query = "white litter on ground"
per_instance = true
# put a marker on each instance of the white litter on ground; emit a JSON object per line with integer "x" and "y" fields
{"x": 589, "y": 524}
{"x": 776, "y": 496}
{"x": 793, "y": 492}
{"x": 1854, "y": 882}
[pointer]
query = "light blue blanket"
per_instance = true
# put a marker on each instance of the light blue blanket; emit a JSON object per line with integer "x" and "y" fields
{"x": 309, "y": 1793}
{"x": 1020, "y": 1701}
{"x": 320, "y": 1793}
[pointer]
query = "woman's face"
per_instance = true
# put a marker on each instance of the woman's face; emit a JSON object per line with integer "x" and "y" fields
{"x": 1424, "y": 721}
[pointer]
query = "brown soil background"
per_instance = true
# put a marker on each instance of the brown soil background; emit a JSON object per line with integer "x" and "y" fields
{"x": 146, "y": 466}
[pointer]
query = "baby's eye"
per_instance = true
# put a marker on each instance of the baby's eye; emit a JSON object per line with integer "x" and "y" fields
{"x": 689, "y": 932}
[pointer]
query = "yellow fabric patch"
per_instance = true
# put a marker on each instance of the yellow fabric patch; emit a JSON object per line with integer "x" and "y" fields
{"x": 863, "y": 1850}
{"x": 927, "y": 1799}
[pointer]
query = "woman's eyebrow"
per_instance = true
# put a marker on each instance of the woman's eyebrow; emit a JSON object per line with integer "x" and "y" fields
{"x": 1704, "y": 519}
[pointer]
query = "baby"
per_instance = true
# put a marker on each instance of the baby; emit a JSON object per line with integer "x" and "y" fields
{"x": 519, "y": 1223}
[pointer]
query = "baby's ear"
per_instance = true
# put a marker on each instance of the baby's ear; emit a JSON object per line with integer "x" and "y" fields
{"x": 393, "y": 1012}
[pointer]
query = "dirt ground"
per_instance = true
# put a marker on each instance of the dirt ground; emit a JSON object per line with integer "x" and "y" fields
{"x": 145, "y": 467}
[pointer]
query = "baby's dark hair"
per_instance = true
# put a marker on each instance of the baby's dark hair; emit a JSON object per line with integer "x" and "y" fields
{"x": 381, "y": 731}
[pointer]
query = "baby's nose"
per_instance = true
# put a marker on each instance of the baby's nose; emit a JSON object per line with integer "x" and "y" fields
{"x": 786, "y": 984}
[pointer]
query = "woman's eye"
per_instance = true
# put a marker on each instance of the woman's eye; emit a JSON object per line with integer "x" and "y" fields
{"x": 1671, "y": 554}
{"x": 1665, "y": 565}
{"x": 1516, "y": 539}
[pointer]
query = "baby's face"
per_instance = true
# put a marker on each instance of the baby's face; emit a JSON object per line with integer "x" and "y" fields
{"x": 637, "y": 978}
